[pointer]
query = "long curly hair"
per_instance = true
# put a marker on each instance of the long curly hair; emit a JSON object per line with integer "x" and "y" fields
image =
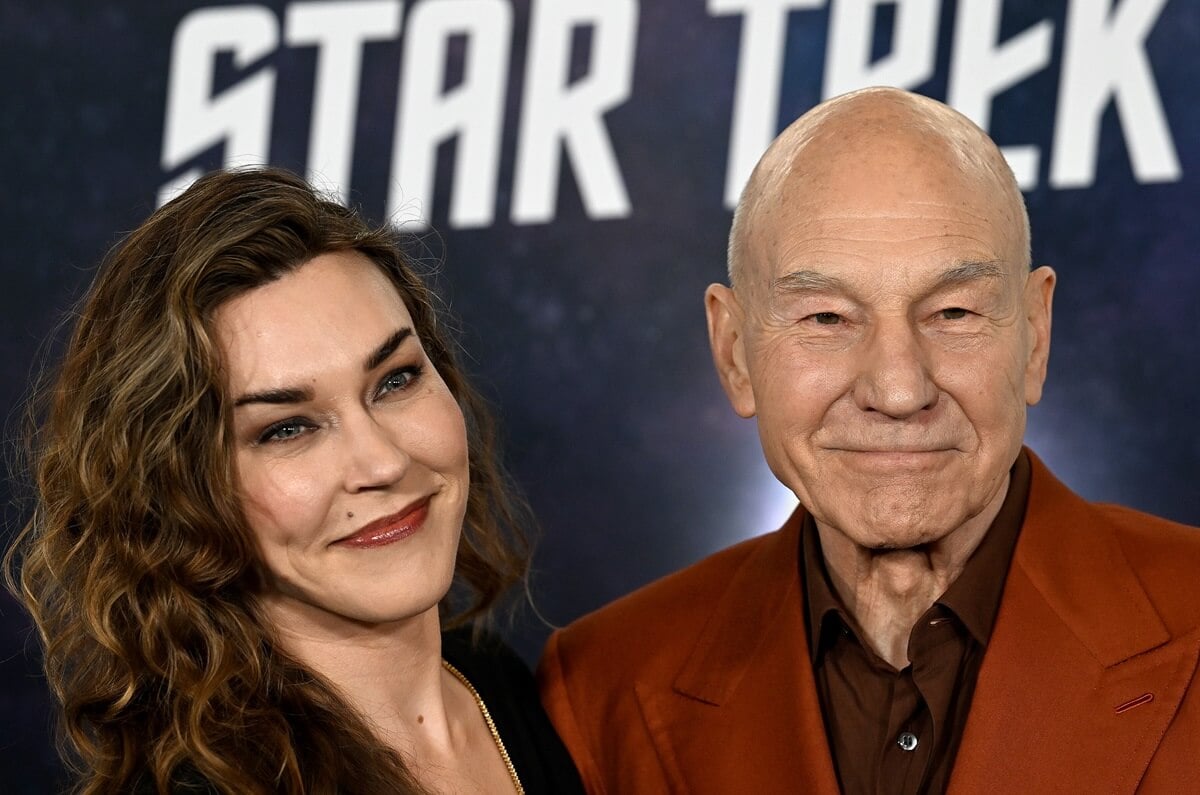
{"x": 136, "y": 562}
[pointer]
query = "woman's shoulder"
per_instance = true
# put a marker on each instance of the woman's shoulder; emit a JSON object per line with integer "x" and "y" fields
{"x": 507, "y": 689}
{"x": 502, "y": 679}
{"x": 484, "y": 654}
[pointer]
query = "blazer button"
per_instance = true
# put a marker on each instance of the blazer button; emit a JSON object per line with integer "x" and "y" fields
{"x": 908, "y": 741}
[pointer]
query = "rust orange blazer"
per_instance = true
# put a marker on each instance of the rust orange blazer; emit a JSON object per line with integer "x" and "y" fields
{"x": 701, "y": 682}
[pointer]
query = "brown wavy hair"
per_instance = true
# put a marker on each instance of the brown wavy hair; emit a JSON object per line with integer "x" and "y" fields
{"x": 136, "y": 562}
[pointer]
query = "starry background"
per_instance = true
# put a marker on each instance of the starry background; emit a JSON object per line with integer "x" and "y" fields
{"x": 588, "y": 335}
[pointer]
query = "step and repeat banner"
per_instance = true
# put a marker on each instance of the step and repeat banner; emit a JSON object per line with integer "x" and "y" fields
{"x": 573, "y": 164}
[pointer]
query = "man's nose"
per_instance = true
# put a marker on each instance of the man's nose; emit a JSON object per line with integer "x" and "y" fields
{"x": 894, "y": 375}
{"x": 374, "y": 456}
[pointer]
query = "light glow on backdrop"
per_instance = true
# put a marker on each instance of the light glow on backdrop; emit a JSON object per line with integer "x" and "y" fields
{"x": 775, "y": 504}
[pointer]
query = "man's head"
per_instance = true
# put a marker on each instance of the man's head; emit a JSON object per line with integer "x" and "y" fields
{"x": 883, "y": 323}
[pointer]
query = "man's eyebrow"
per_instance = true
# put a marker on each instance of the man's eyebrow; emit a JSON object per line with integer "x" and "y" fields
{"x": 807, "y": 282}
{"x": 275, "y": 397}
{"x": 969, "y": 272}
{"x": 389, "y": 346}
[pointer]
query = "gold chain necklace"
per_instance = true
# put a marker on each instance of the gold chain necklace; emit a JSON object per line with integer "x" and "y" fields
{"x": 487, "y": 718}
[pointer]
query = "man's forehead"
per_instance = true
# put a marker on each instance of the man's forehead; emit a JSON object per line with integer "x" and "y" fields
{"x": 869, "y": 174}
{"x": 869, "y": 208}
{"x": 863, "y": 160}
{"x": 810, "y": 231}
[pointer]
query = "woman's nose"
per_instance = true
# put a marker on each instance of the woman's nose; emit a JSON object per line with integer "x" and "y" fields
{"x": 375, "y": 455}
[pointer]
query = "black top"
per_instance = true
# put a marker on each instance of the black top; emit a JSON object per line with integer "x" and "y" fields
{"x": 507, "y": 688}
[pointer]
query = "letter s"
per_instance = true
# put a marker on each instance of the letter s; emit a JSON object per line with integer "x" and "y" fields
{"x": 240, "y": 117}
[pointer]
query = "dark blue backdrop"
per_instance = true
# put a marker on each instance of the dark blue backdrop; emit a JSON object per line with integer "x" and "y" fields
{"x": 583, "y": 318}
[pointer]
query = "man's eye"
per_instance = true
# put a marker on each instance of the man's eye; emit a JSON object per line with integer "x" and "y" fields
{"x": 284, "y": 431}
{"x": 953, "y": 313}
{"x": 827, "y": 318}
{"x": 398, "y": 380}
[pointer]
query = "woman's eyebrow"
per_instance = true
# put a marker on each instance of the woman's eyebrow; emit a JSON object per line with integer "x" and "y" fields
{"x": 275, "y": 397}
{"x": 389, "y": 346}
{"x": 303, "y": 395}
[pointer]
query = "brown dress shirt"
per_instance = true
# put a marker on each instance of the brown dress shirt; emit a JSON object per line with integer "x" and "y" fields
{"x": 897, "y": 731}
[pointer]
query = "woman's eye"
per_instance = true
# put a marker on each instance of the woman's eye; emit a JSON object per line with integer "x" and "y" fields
{"x": 284, "y": 431}
{"x": 398, "y": 380}
{"x": 953, "y": 313}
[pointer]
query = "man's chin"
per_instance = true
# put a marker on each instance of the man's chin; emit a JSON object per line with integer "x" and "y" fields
{"x": 897, "y": 539}
{"x": 893, "y": 526}
{"x": 915, "y": 544}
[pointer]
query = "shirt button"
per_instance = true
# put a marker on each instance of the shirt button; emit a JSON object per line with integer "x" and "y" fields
{"x": 907, "y": 741}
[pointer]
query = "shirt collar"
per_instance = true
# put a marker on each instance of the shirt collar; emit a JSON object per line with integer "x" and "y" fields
{"x": 824, "y": 614}
{"x": 975, "y": 595}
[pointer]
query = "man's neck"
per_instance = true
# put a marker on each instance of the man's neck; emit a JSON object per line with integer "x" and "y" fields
{"x": 887, "y": 591}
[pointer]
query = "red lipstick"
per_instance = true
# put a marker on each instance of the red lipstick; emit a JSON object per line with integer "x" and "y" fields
{"x": 389, "y": 529}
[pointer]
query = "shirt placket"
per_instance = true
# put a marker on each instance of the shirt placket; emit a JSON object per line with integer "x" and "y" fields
{"x": 907, "y": 740}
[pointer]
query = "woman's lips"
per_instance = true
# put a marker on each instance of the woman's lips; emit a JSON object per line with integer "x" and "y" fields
{"x": 389, "y": 529}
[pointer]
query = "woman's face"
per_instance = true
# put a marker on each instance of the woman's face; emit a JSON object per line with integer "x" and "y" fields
{"x": 351, "y": 453}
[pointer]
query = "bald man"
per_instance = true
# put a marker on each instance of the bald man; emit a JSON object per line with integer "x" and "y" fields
{"x": 940, "y": 613}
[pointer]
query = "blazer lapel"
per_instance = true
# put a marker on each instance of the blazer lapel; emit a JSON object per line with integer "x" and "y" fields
{"x": 1081, "y": 677}
{"x": 742, "y": 714}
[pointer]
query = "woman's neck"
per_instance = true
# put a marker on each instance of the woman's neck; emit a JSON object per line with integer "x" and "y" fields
{"x": 390, "y": 673}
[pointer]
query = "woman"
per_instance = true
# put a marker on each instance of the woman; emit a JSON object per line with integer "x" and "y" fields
{"x": 264, "y": 488}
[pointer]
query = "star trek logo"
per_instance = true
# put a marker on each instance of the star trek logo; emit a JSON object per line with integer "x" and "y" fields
{"x": 561, "y": 122}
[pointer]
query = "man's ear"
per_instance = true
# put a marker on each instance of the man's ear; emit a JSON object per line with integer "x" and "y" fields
{"x": 1039, "y": 302}
{"x": 727, "y": 340}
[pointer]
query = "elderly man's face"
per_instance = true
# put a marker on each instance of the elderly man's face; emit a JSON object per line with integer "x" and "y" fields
{"x": 888, "y": 337}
